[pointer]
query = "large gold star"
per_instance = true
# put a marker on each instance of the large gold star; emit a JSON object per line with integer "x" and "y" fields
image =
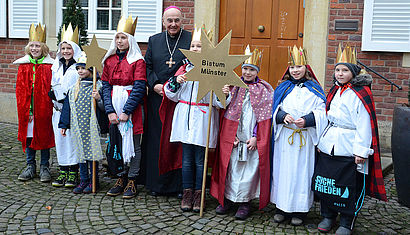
{"x": 95, "y": 54}
{"x": 214, "y": 67}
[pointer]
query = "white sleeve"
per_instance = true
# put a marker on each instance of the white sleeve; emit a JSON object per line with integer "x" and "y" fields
{"x": 363, "y": 134}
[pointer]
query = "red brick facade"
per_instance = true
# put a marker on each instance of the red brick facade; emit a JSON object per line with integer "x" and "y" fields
{"x": 12, "y": 49}
{"x": 387, "y": 64}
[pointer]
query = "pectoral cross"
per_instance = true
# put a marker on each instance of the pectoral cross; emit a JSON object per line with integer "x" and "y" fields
{"x": 170, "y": 62}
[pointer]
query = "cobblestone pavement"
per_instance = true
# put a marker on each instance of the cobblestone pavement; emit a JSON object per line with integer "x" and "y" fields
{"x": 38, "y": 208}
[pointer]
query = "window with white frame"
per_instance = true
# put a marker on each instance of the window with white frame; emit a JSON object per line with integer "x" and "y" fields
{"x": 386, "y": 25}
{"x": 102, "y": 16}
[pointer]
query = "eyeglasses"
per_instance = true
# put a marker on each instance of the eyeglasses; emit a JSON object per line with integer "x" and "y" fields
{"x": 176, "y": 20}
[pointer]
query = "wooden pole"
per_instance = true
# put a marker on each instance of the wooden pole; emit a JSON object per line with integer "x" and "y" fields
{"x": 206, "y": 154}
{"x": 95, "y": 109}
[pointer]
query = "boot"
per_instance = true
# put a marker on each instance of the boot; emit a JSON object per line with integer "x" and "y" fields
{"x": 243, "y": 211}
{"x": 118, "y": 187}
{"x": 197, "y": 201}
{"x": 186, "y": 203}
{"x": 28, "y": 173}
{"x": 71, "y": 180}
{"x": 130, "y": 190}
{"x": 222, "y": 210}
{"x": 45, "y": 173}
{"x": 60, "y": 181}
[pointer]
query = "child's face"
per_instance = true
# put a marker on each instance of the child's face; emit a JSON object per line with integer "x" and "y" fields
{"x": 297, "y": 71}
{"x": 83, "y": 72}
{"x": 249, "y": 73}
{"x": 121, "y": 40}
{"x": 343, "y": 74}
{"x": 67, "y": 51}
{"x": 35, "y": 49}
{"x": 196, "y": 46}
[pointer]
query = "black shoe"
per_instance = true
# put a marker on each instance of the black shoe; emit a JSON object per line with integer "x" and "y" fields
{"x": 71, "y": 180}
{"x": 130, "y": 190}
{"x": 118, "y": 187}
{"x": 60, "y": 181}
{"x": 153, "y": 193}
{"x": 179, "y": 195}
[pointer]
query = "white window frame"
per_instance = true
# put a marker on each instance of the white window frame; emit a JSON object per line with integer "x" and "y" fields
{"x": 108, "y": 34}
{"x": 368, "y": 44}
{"x": 3, "y": 19}
{"x": 23, "y": 32}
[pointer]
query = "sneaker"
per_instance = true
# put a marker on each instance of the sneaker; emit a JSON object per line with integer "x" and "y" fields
{"x": 118, "y": 187}
{"x": 89, "y": 188}
{"x": 243, "y": 211}
{"x": 130, "y": 190}
{"x": 71, "y": 180}
{"x": 80, "y": 188}
{"x": 60, "y": 181}
{"x": 28, "y": 173}
{"x": 325, "y": 225}
{"x": 295, "y": 221}
{"x": 45, "y": 175}
{"x": 186, "y": 202}
{"x": 343, "y": 231}
{"x": 197, "y": 201}
{"x": 278, "y": 218}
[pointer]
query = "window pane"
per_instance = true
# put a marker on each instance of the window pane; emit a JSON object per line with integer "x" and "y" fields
{"x": 85, "y": 11}
{"x": 116, "y": 15}
{"x": 116, "y": 3}
{"x": 102, "y": 19}
{"x": 103, "y": 3}
{"x": 84, "y": 3}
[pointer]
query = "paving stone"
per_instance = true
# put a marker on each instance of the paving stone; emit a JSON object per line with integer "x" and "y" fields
{"x": 43, "y": 230}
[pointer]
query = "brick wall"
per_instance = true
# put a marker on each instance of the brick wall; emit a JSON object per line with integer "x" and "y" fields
{"x": 387, "y": 64}
{"x": 10, "y": 50}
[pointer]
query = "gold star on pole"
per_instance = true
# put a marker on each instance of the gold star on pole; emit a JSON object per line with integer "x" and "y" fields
{"x": 95, "y": 54}
{"x": 214, "y": 67}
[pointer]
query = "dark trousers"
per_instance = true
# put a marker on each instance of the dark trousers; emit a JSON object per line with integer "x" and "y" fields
{"x": 192, "y": 166}
{"x": 346, "y": 220}
{"x": 31, "y": 154}
{"x": 86, "y": 171}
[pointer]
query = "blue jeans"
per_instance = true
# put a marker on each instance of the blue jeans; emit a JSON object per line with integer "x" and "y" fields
{"x": 31, "y": 155}
{"x": 192, "y": 166}
{"x": 86, "y": 171}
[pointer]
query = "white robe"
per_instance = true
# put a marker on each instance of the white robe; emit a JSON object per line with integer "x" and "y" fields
{"x": 351, "y": 131}
{"x": 293, "y": 166}
{"x": 66, "y": 154}
{"x": 189, "y": 123}
{"x": 242, "y": 178}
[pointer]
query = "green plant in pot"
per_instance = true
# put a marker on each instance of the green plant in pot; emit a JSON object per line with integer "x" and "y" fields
{"x": 400, "y": 144}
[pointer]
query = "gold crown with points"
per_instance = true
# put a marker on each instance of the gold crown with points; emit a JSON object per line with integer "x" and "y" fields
{"x": 37, "y": 33}
{"x": 67, "y": 34}
{"x": 296, "y": 56}
{"x": 127, "y": 25}
{"x": 348, "y": 55}
{"x": 196, "y": 36}
{"x": 256, "y": 56}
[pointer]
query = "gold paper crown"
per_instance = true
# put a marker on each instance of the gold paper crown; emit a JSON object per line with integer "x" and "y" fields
{"x": 256, "y": 56}
{"x": 126, "y": 25}
{"x": 37, "y": 33}
{"x": 296, "y": 56}
{"x": 196, "y": 36}
{"x": 348, "y": 55}
{"x": 70, "y": 35}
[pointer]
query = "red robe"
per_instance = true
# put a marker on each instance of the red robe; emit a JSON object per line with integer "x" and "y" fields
{"x": 43, "y": 135}
{"x": 124, "y": 74}
{"x": 261, "y": 95}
